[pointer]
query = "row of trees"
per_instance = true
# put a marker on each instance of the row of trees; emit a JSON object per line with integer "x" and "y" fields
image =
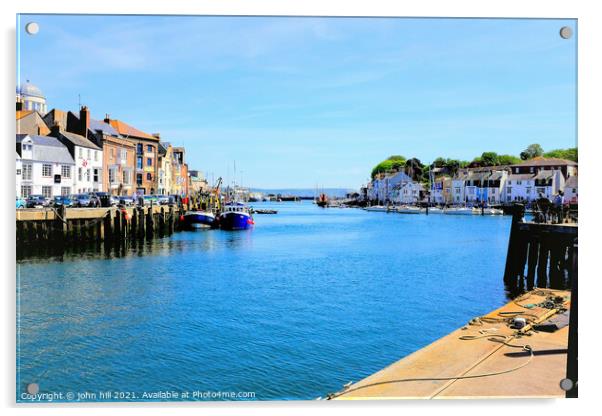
{"x": 419, "y": 172}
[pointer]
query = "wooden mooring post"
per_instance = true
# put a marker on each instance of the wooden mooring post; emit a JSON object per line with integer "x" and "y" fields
{"x": 539, "y": 254}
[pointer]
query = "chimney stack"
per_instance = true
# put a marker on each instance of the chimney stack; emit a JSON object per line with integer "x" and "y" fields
{"x": 157, "y": 135}
{"x": 107, "y": 119}
{"x": 55, "y": 129}
{"x": 84, "y": 121}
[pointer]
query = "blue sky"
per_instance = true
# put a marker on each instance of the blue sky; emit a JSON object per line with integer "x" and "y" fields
{"x": 305, "y": 101}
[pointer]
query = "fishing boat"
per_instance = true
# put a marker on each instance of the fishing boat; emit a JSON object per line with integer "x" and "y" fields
{"x": 199, "y": 219}
{"x": 235, "y": 216}
{"x": 322, "y": 201}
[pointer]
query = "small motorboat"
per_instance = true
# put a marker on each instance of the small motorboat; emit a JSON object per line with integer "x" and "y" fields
{"x": 435, "y": 210}
{"x": 199, "y": 219}
{"x": 459, "y": 211}
{"x": 235, "y": 216}
{"x": 377, "y": 208}
{"x": 408, "y": 209}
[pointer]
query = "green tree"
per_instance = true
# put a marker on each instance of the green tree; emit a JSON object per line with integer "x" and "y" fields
{"x": 489, "y": 159}
{"x": 569, "y": 154}
{"x": 389, "y": 164}
{"x": 508, "y": 160}
{"x": 533, "y": 150}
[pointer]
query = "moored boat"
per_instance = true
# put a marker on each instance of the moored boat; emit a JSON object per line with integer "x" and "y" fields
{"x": 376, "y": 208}
{"x": 199, "y": 219}
{"x": 458, "y": 211}
{"x": 235, "y": 216}
{"x": 408, "y": 209}
{"x": 435, "y": 210}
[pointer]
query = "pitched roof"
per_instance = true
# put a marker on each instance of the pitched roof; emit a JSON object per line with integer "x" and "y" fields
{"x": 97, "y": 125}
{"x": 78, "y": 140}
{"x": 546, "y": 161}
{"x": 47, "y": 149}
{"x": 545, "y": 174}
{"x": 127, "y": 130}
{"x": 23, "y": 113}
{"x": 520, "y": 176}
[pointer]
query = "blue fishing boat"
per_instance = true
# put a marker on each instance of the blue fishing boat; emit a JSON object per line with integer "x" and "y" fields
{"x": 199, "y": 219}
{"x": 235, "y": 216}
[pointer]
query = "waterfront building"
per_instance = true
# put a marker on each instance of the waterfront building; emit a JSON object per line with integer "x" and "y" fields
{"x": 537, "y": 164}
{"x": 30, "y": 122}
{"x": 44, "y": 166}
{"x": 458, "y": 191}
{"x": 119, "y": 154}
{"x": 441, "y": 190}
{"x": 520, "y": 187}
{"x": 147, "y": 146}
{"x": 179, "y": 172}
{"x": 88, "y": 159}
{"x": 164, "y": 160}
{"x": 494, "y": 187}
{"x": 198, "y": 183}
{"x": 31, "y": 98}
{"x": 570, "y": 190}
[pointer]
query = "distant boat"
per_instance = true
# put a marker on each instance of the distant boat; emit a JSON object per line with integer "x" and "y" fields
{"x": 458, "y": 211}
{"x": 406, "y": 209}
{"x": 436, "y": 210}
{"x": 377, "y": 208}
{"x": 490, "y": 211}
{"x": 322, "y": 201}
{"x": 199, "y": 219}
{"x": 235, "y": 216}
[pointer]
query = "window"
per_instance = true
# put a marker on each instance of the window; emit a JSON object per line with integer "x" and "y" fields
{"x": 65, "y": 191}
{"x": 139, "y": 148}
{"x": 139, "y": 179}
{"x": 18, "y": 172}
{"x": 89, "y": 153}
{"x": 96, "y": 175}
{"x": 81, "y": 152}
{"x": 96, "y": 155}
{"x": 458, "y": 190}
{"x": 46, "y": 170}
{"x": 127, "y": 177}
{"x": 27, "y": 168}
{"x": 66, "y": 171}
{"x": 574, "y": 190}
{"x": 149, "y": 148}
{"x": 509, "y": 190}
{"x": 112, "y": 153}
{"x": 149, "y": 161}
{"x": 25, "y": 191}
{"x": 149, "y": 177}
{"x": 528, "y": 190}
{"x": 88, "y": 174}
{"x": 112, "y": 175}
{"x": 124, "y": 154}
{"x": 47, "y": 191}
{"x": 519, "y": 182}
{"x": 139, "y": 162}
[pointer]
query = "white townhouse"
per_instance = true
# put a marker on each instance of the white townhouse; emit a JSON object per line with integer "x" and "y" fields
{"x": 88, "y": 159}
{"x": 407, "y": 193}
{"x": 495, "y": 186}
{"x": 571, "y": 190}
{"x": 458, "y": 191}
{"x": 46, "y": 167}
{"x": 19, "y": 166}
{"x": 548, "y": 183}
{"x": 519, "y": 187}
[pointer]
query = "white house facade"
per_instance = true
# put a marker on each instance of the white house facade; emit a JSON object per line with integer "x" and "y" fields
{"x": 88, "y": 161}
{"x": 46, "y": 167}
{"x": 571, "y": 190}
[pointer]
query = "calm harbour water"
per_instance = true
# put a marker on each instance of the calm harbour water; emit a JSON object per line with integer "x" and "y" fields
{"x": 307, "y": 301}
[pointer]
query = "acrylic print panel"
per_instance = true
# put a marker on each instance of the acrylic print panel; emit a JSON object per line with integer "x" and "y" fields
{"x": 293, "y": 208}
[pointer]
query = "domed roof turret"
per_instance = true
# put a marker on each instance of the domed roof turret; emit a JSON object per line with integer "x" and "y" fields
{"x": 29, "y": 90}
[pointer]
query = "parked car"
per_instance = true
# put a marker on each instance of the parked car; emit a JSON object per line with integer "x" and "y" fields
{"x": 163, "y": 199}
{"x": 21, "y": 203}
{"x": 114, "y": 200}
{"x": 81, "y": 200}
{"x": 101, "y": 199}
{"x": 94, "y": 199}
{"x": 62, "y": 200}
{"x": 150, "y": 199}
{"x": 126, "y": 200}
{"x": 36, "y": 201}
